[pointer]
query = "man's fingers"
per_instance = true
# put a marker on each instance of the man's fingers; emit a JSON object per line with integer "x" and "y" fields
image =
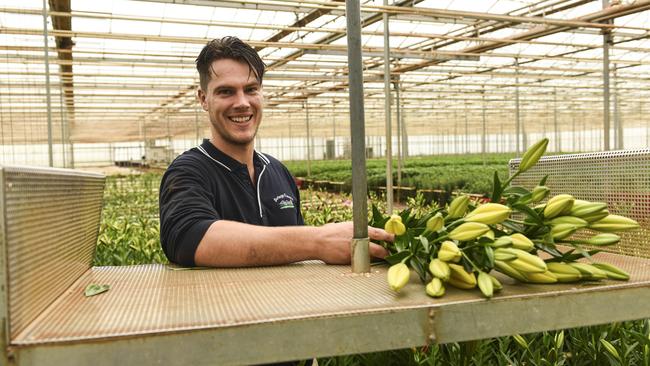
{"x": 379, "y": 234}
{"x": 377, "y": 251}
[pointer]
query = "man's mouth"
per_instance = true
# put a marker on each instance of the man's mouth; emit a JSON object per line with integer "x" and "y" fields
{"x": 241, "y": 119}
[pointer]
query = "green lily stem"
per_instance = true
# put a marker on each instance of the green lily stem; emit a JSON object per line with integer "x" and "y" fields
{"x": 470, "y": 261}
{"x": 406, "y": 258}
{"x": 521, "y": 222}
{"x": 505, "y": 184}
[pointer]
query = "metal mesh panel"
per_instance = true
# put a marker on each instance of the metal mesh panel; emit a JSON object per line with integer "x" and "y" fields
{"x": 619, "y": 178}
{"x": 51, "y": 220}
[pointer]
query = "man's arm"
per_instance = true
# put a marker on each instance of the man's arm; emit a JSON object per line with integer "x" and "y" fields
{"x": 235, "y": 244}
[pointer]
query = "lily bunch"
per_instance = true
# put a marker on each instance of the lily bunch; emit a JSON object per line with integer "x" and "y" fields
{"x": 462, "y": 244}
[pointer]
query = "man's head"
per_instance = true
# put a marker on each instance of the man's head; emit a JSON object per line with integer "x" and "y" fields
{"x": 228, "y": 48}
{"x": 231, "y": 92}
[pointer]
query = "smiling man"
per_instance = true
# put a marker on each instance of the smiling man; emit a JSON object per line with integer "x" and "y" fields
{"x": 222, "y": 203}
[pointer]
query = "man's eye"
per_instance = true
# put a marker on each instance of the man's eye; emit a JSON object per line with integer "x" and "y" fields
{"x": 252, "y": 90}
{"x": 224, "y": 92}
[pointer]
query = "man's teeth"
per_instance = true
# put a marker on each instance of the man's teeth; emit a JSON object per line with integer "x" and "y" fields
{"x": 241, "y": 119}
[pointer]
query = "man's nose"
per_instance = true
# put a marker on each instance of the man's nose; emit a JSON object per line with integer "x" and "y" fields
{"x": 241, "y": 100}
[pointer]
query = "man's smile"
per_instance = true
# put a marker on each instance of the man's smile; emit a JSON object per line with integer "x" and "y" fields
{"x": 240, "y": 119}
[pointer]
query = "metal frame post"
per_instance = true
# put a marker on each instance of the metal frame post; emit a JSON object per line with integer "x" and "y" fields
{"x": 360, "y": 241}
{"x": 517, "y": 118}
{"x": 607, "y": 39}
{"x": 387, "y": 115}
{"x": 558, "y": 138}
{"x": 306, "y": 106}
{"x": 47, "y": 86}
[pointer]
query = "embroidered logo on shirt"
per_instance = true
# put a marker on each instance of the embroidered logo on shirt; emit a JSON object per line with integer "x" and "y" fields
{"x": 284, "y": 201}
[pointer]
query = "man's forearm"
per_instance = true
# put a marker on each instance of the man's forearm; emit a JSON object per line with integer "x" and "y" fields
{"x": 235, "y": 244}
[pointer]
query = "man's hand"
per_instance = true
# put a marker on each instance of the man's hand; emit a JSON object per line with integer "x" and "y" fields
{"x": 334, "y": 242}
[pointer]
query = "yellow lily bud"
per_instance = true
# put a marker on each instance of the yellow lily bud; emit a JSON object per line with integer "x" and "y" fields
{"x": 588, "y": 271}
{"x": 395, "y": 226}
{"x": 520, "y": 241}
{"x": 449, "y": 252}
{"x": 595, "y": 216}
{"x": 532, "y": 155}
{"x": 502, "y": 242}
{"x": 485, "y": 284}
{"x": 489, "y": 235}
{"x": 562, "y": 231}
{"x": 612, "y": 271}
{"x": 614, "y": 223}
{"x": 439, "y": 269}
{"x": 489, "y": 214}
{"x": 527, "y": 263}
{"x": 435, "y": 288}
{"x": 539, "y": 193}
{"x": 495, "y": 283}
{"x": 572, "y": 220}
{"x": 468, "y": 231}
{"x": 604, "y": 239}
{"x": 505, "y": 254}
{"x": 458, "y": 207}
{"x": 435, "y": 223}
{"x": 544, "y": 277}
{"x": 398, "y": 276}
{"x": 558, "y": 205}
{"x": 506, "y": 269}
{"x": 564, "y": 272}
{"x": 460, "y": 278}
{"x": 584, "y": 208}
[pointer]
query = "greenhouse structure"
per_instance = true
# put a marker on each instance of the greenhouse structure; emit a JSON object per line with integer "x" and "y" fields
{"x": 504, "y": 144}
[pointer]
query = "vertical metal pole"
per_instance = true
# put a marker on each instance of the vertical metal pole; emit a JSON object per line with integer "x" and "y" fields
{"x": 334, "y": 127}
{"x": 290, "y": 142}
{"x": 607, "y": 38}
{"x": 466, "y": 129}
{"x": 558, "y": 141}
{"x": 387, "y": 102}
{"x": 483, "y": 138}
{"x": 144, "y": 138}
{"x": 61, "y": 117}
{"x": 400, "y": 137}
{"x": 573, "y": 130}
{"x": 615, "y": 112}
{"x": 306, "y": 106}
{"x": 647, "y": 125}
{"x": 517, "y": 119}
{"x": 618, "y": 127}
{"x": 47, "y": 85}
{"x": 360, "y": 241}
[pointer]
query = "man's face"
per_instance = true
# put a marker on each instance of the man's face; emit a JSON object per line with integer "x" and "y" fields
{"x": 233, "y": 100}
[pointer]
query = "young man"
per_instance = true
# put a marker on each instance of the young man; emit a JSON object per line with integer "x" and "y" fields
{"x": 223, "y": 204}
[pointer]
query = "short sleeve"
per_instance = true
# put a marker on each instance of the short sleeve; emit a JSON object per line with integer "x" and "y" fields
{"x": 186, "y": 210}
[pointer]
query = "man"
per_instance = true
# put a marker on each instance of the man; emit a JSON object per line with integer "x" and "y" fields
{"x": 223, "y": 204}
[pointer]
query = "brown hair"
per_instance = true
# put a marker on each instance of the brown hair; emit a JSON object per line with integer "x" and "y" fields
{"x": 228, "y": 48}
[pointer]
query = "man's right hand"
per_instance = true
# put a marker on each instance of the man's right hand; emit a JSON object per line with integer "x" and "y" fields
{"x": 334, "y": 242}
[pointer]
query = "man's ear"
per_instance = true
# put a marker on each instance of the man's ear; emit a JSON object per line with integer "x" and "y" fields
{"x": 201, "y": 97}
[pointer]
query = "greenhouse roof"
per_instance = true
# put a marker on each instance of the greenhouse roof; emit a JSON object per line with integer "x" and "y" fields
{"x": 120, "y": 67}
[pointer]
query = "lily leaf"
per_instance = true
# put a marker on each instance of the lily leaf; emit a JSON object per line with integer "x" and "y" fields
{"x": 514, "y": 190}
{"x": 95, "y": 289}
{"x": 425, "y": 244}
{"x": 496, "y": 188}
{"x": 397, "y": 257}
{"x": 543, "y": 181}
{"x": 532, "y": 214}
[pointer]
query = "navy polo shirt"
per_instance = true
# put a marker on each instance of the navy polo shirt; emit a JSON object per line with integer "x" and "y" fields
{"x": 204, "y": 185}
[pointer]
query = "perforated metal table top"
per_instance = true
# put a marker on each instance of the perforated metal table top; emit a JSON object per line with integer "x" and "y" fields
{"x": 153, "y": 299}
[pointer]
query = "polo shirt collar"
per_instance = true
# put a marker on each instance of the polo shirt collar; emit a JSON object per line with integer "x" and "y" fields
{"x": 226, "y": 161}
